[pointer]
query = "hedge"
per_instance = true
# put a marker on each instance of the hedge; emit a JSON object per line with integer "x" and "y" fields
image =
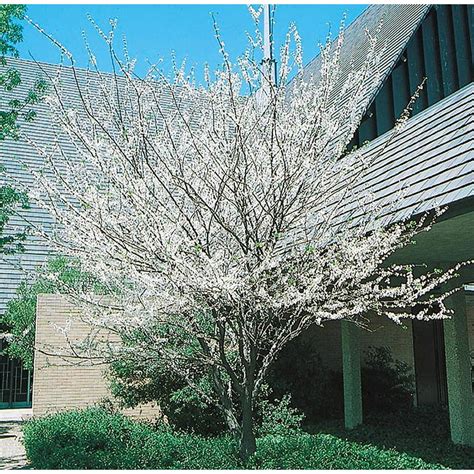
{"x": 96, "y": 439}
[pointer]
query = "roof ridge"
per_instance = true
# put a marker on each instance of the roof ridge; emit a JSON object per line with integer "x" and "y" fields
{"x": 351, "y": 25}
{"x": 34, "y": 62}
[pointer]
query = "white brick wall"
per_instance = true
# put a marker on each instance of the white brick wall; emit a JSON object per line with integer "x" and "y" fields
{"x": 60, "y": 384}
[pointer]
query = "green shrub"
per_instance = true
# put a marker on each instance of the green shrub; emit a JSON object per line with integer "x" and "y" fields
{"x": 317, "y": 391}
{"x": 322, "y": 451}
{"x": 91, "y": 438}
{"x": 387, "y": 383}
{"x": 207, "y": 453}
{"x": 183, "y": 407}
{"x": 97, "y": 439}
{"x": 132, "y": 384}
{"x": 278, "y": 417}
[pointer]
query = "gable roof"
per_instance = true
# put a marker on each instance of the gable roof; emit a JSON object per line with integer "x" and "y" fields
{"x": 397, "y": 25}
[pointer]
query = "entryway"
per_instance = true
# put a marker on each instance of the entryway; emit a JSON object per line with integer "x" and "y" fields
{"x": 15, "y": 383}
{"x": 430, "y": 363}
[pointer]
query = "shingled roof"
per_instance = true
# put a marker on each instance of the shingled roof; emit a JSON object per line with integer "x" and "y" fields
{"x": 429, "y": 164}
{"x": 19, "y": 157}
{"x": 397, "y": 24}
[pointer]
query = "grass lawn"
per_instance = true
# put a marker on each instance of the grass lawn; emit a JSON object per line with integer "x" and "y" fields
{"x": 423, "y": 434}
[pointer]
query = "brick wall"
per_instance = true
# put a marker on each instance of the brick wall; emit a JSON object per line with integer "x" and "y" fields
{"x": 61, "y": 383}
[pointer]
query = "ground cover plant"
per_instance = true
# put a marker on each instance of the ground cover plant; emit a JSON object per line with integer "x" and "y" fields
{"x": 97, "y": 439}
{"x": 422, "y": 432}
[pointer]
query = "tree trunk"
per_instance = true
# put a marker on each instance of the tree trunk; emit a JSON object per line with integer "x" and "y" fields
{"x": 225, "y": 395}
{"x": 247, "y": 438}
{"x": 232, "y": 423}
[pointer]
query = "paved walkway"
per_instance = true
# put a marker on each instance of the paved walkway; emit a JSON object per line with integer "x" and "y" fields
{"x": 12, "y": 452}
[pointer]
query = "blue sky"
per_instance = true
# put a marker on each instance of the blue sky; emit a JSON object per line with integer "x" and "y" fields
{"x": 154, "y": 31}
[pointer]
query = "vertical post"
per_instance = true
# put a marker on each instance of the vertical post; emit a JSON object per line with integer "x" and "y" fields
{"x": 28, "y": 389}
{"x": 12, "y": 381}
{"x": 351, "y": 374}
{"x": 268, "y": 63}
{"x": 267, "y": 34}
{"x": 458, "y": 371}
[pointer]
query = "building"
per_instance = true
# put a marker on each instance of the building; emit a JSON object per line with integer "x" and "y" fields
{"x": 431, "y": 161}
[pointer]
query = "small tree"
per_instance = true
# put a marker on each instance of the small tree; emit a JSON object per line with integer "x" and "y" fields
{"x": 216, "y": 218}
{"x": 11, "y": 33}
{"x": 58, "y": 275}
{"x": 10, "y": 112}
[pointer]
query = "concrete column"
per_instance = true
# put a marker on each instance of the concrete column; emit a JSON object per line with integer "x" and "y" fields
{"x": 458, "y": 371}
{"x": 351, "y": 374}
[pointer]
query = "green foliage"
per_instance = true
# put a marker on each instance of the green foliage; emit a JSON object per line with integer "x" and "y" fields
{"x": 179, "y": 395}
{"x": 278, "y": 417}
{"x": 10, "y": 36}
{"x": 58, "y": 276}
{"x": 92, "y": 438}
{"x": 300, "y": 386}
{"x": 388, "y": 384}
{"x": 323, "y": 451}
{"x": 206, "y": 453}
{"x": 10, "y": 30}
{"x": 317, "y": 391}
{"x": 97, "y": 439}
{"x": 19, "y": 108}
{"x": 423, "y": 433}
{"x": 183, "y": 407}
{"x": 10, "y": 201}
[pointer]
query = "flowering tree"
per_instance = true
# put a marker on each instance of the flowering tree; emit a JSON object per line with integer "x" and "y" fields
{"x": 223, "y": 222}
